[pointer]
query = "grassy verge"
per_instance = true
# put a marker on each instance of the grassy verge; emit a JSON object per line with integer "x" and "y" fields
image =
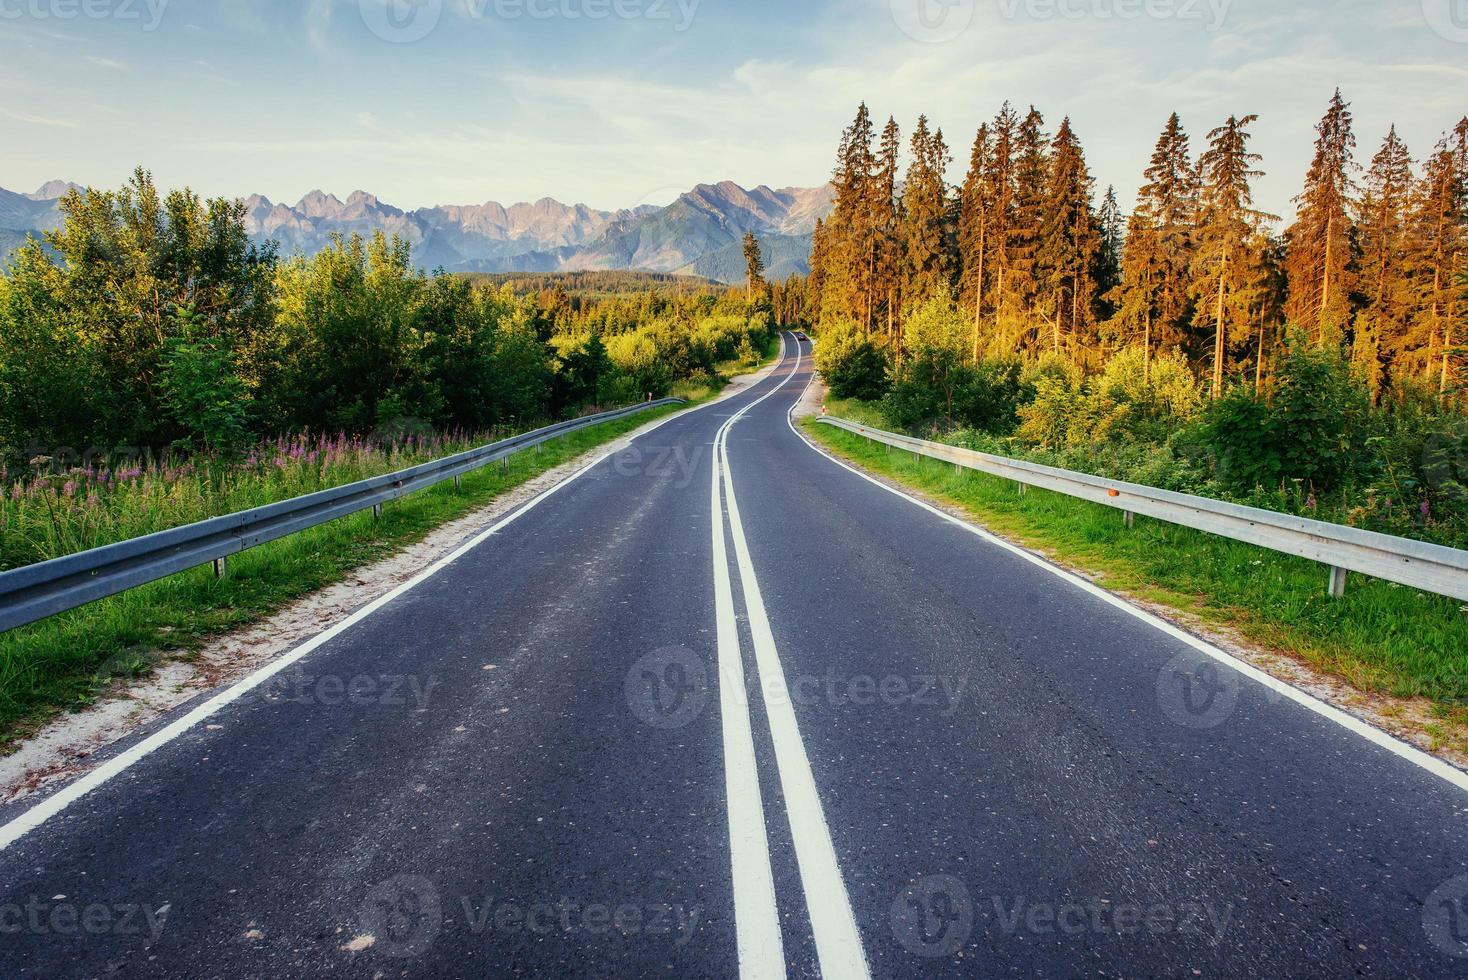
{"x": 66, "y": 661}
{"x": 1381, "y": 638}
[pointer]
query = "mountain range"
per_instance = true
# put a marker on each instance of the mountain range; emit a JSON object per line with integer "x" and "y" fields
{"x": 700, "y": 233}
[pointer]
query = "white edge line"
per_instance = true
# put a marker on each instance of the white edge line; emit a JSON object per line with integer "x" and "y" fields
{"x": 1376, "y": 736}
{"x": 49, "y": 807}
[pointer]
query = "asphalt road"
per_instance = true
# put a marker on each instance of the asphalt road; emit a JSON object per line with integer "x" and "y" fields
{"x": 721, "y": 706}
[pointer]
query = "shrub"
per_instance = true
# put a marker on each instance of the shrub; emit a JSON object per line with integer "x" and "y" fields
{"x": 852, "y": 365}
{"x": 990, "y": 398}
{"x": 1313, "y": 429}
{"x": 201, "y": 390}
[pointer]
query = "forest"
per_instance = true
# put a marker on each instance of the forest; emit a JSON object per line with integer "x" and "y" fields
{"x": 150, "y": 324}
{"x": 1194, "y": 344}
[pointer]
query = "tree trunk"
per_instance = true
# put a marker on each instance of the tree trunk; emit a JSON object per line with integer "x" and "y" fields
{"x": 1259, "y": 359}
{"x": 979, "y": 296}
{"x": 1218, "y": 336}
{"x": 1147, "y": 349}
{"x": 1325, "y": 284}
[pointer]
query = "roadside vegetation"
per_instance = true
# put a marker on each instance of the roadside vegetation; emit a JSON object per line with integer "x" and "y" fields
{"x": 157, "y": 368}
{"x": 67, "y": 661}
{"x": 149, "y": 323}
{"x": 1194, "y": 346}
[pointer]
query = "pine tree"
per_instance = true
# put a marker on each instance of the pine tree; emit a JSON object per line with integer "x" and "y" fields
{"x": 1138, "y": 298}
{"x": 925, "y": 210}
{"x": 1170, "y": 198}
{"x": 850, "y": 238}
{"x": 1068, "y": 243}
{"x": 1440, "y": 237}
{"x": 1227, "y": 271}
{"x": 1381, "y": 326}
{"x": 1106, "y": 272}
{"x": 754, "y": 263}
{"x": 887, "y": 224}
{"x": 815, "y": 283}
{"x": 1031, "y": 185}
{"x": 999, "y": 198}
{"x": 973, "y": 228}
{"x": 1320, "y": 265}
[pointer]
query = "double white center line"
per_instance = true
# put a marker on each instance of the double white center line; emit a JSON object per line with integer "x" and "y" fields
{"x": 756, "y": 915}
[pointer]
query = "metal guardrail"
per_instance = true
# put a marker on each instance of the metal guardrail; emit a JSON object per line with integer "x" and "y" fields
{"x": 35, "y": 592}
{"x": 1429, "y": 567}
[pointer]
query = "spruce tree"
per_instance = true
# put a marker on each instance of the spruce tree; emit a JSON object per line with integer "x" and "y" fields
{"x": 999, "y": 199}
{"x": 1227, "y": 270}
{"x": 887, "y": 226}
{"x": 1068, "y": 243}
{"x": 1382, "y": 325}
{"x": 1031, "y": 185}
{"x": 973, "y": 227}
{"x": 1106, "y": 272}
{"x": 754, "y": 264}
{"x": 850, "y": 236}
{"x": 1439, "y": 239}
{"x": 1170, "y": 198}
{"x": 1321, "y": 265}
{"x": 925, "y": 210}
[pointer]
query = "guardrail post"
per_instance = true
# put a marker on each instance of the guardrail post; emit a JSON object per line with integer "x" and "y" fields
{"x": 1024, "y": 488}
{"x": 458, "y": 483}
{"x": 1131, "y": 519}
{"x": 1338, "y": 582}
{"x": 221, "y": 567}
{"x": 377, "y": 512}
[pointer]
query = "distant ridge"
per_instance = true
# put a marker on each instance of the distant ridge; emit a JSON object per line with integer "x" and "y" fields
{"x": 692, "y": 236}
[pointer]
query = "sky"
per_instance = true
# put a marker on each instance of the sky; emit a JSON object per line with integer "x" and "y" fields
{"x": 615, "y": 103}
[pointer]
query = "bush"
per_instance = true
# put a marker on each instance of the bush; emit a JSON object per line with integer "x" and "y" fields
{"x": 202, "y": 392}
{"x": 989, "y": 399}
{"x": 852, "y": 365}
{"x": 1056, "y": 416}
{"x": 1314, "y": 429}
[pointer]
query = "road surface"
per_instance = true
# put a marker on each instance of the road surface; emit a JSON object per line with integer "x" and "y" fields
{"x": 721, "y": 706}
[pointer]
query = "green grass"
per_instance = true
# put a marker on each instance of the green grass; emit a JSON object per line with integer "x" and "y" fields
{"x": 1380, "y": 638}
{"x": 65, "y": 662}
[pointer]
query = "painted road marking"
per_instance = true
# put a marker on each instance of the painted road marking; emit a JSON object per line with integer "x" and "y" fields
{"x": 833, "y": 925}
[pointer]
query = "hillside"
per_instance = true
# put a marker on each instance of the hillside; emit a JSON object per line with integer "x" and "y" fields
{"x": 698, "y": 234}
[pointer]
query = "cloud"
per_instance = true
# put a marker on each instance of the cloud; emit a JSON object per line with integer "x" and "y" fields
{"x": 32, "y": 120}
